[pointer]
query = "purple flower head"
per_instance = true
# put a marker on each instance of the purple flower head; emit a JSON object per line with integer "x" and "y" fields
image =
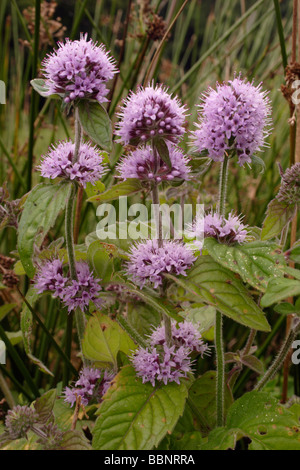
{"x": 79, "y": 293}
{"x": 184, "y": 334}
{"x": 169, "y": 365}
{"x": 59, "y": 163}
{"x": 148, "y": 262}
{"x": 235, "y": 116}
{"x": 142, "y": 164}
{"x": 50, "y": 277}
{"x": 79, "y": 70}
{"x": 289, "y": 191}
{"x": 228, "y": 230}
{"x": 150, "y": 113}
{"x": 92, "y": 384}
{"x": 19, "y": 420}
{"x": 73, "y": 293}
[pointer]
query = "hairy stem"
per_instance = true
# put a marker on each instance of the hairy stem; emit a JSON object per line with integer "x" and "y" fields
{"x": 220, "y": 368}
{"x": 69, "y": 233}
{"x": 276, "y": 365}
{"x": 219, "y": 319}
{"x": 223, "y": 185}
{"x": 130, "y": 330}
{"x": 249, "y": 342}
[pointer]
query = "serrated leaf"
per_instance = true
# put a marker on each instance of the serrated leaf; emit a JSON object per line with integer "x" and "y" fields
{"x": 103, "y": 339}
{"x": 202, "y": 401}
{"x": 74, "y": 440}
{"x": 101, "y": 260}
{"x": 278, "y": 216}
{"x": 96, "y": 123}
{"x": 42, "y": 206}
{"x": 143, "y": 317}
{"x": 280, "y": 289}
{"x": 125, "y": 188}
{"x": 253, "y": 363}
{"x": 215, "y": 285}
{"x": 44, "y": 406}
{"x": 203, "y": 317}
{"x": 256, "y": 262}
{"x": 258, "y": 416}
{"x": 136, "y": 416}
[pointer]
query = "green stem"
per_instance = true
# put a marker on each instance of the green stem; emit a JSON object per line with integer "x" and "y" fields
{"x": 249, "y": 343}
{"x": 223, "y": 186}
{"x": 69, "y": 230}
{"x": 220, "y": 368}
{"x": 134, "y": 335}
{"x": 158, "y": 223}
{"x": 219, "y": 320}
{"x": 69, "y": 233}
{"x": 273, "y": 369}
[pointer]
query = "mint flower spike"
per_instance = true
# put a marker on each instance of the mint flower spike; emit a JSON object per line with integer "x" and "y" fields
{"x": 142, "y": 164}
{"x": 20, "y": 420}
{"x": 289, "y": 191}
{"x": 79, "y": 70}
{"x": 234, "y": 117}
{"x": 184, "y": 334}
{"x": 92, "y": 384}
{"x": 148, "y": 262}
{"x": 150, "y": 113}
{"x": 59, "y": 163}
{"x": 227, "y": 230}
{"x": 73, "y": 293}
{"x": 169, "y": 364}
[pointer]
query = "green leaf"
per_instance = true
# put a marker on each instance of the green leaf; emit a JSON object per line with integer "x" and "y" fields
{"x": 38, "y": 84}
{"x": 258, "y": 416}
{"x": 96, "y": 123}
{"x": 136, "y": 416}
{"x": 163, "y": 151}
{"x": 143, "y": 317}
{"x": 42, "y": 206}
{"x": 94, "y": 189}
{"x": 256, "y": 262}
{"x": 253, "y": 363}
{"x": 257, "y": 161}
{"x": 44, "y": 406}
{"x": 101, "y": 260}
{"x": 203, "y": 318}
{"x": 217, "y": 286}
{"x": 295, "y": 253}
{"x": 202, "y": 401}
{"x": 103, "y": 339}
{"x": 280, "y": 289}
{"x": 189, "y": 441}
{"x": 74, "y": 440}
{"x": 125, "y": 188}
{"x": 278, "y": 216}
{"x": 26, "y": 327}
{"x": 287, "y": 309}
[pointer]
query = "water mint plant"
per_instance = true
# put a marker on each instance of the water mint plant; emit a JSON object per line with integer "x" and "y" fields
{"x": 149, "y": 261}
